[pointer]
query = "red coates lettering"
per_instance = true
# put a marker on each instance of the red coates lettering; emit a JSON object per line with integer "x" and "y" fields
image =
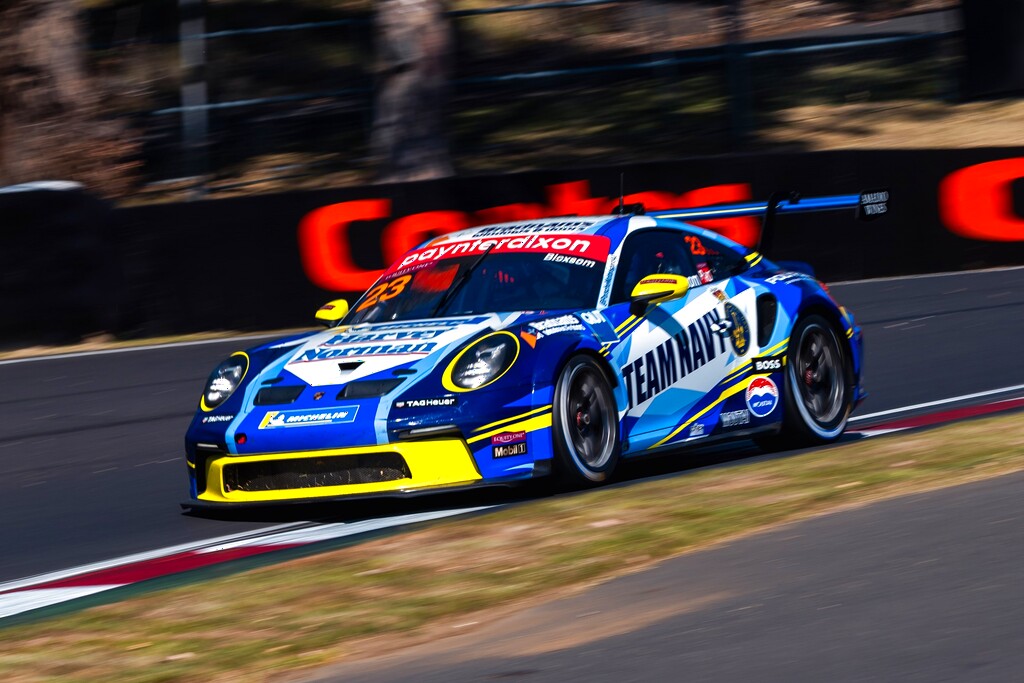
{"x": 977, "y": 202}
{"x": 327, "y": 255}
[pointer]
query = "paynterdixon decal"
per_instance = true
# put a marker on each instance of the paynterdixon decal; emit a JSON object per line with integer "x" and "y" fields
{"x": 587, "y": 247}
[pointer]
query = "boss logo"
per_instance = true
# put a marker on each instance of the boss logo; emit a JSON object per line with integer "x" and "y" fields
{"x": 768, "y": 364}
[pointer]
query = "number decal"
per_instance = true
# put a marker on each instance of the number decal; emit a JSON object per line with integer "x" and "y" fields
{"x": 696, "y": 246}
{"x": 385, "y": 291}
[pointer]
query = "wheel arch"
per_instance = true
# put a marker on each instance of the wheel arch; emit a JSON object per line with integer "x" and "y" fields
{"x": 829, "y": 313}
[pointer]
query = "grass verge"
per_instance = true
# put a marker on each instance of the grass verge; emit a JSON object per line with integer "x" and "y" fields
{"x": 394, "y": 590}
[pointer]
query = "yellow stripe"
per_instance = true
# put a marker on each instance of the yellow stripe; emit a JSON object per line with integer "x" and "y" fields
{"x": 762, "y": 352}
{"x": 513, "y": 418}
{"x": 533, "y": 424}
{"x": 752, "y": 256}
{"x": 625, "y": 322}
{"x": 191, "y": 464}
{"x": 735, "y": 389}
{"x": 756, "y": 261}
{"x": 632, "y": 327}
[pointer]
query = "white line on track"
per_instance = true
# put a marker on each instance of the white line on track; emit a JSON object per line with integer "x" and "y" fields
{"x": 921, "y": 276}
{"x": 942, "y": 401}
{"x": 296, "y": 533}
{"x": 144, "y": 347}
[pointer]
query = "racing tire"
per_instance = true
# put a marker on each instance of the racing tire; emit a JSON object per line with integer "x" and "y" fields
{"x": 818, "y": 384}
{"x": 585, "y": 424}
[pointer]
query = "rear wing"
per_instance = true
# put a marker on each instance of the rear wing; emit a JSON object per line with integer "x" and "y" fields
{"x": 868, "y": 205}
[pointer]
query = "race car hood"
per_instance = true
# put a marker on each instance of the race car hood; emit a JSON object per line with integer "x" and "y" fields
{"x": 342, "y": 355}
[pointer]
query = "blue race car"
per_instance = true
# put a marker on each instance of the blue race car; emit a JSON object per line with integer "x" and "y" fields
{"x": 554, "y": 346}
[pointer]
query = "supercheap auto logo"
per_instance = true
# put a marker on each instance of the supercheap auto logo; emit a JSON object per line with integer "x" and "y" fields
{"x": 762, "y": 396}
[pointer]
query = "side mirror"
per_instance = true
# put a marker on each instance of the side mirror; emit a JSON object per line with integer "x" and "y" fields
{"x": 331, "y": 313}
{"x": 655, "y": 289}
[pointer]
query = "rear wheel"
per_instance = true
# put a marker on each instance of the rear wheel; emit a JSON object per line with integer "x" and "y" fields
{"x": 819, "y": 383}
{"x": 585, "y": 425}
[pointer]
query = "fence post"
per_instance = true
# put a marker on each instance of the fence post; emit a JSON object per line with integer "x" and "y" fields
{"x": 194, "y": 122}
{"x": 738, "y": 71}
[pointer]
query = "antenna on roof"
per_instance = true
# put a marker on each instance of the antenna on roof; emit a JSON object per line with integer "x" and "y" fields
{"x": 622, "y": 190}
{"x": 623, "y": 208}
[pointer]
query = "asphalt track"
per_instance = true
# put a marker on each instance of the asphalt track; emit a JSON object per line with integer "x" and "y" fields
{"x": 919, "y": 588}
{"x": 91, "y": 445}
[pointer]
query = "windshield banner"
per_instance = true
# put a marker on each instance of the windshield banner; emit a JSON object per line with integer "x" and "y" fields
{"x": 579, "y": 249}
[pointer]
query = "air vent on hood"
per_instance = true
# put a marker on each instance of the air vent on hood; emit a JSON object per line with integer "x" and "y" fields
{"x": 347, "y": 365}
{"x": 370, "y": 388}
{"x": 271, "y": 396}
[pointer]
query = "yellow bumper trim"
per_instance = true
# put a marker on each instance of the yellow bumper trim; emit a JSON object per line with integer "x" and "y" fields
{"x": 434, "y": 463}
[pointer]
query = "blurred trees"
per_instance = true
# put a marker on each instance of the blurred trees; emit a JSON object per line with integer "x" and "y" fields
{"x": 413, "y": 67}
{"x": 50, "y": 121}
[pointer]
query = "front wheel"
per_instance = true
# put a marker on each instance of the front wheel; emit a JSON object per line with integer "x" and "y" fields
{"x": 819, "y": 383}
{"x": 585, "y": 427}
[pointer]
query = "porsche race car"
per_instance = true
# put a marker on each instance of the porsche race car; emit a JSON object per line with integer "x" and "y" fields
{"x": 549, "y": 347}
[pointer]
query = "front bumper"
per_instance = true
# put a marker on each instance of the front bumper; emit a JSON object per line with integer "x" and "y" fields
{"x": 402, "y": 467}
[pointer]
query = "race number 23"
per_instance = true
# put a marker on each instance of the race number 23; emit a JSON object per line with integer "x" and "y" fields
{"x": 385, "y": 291}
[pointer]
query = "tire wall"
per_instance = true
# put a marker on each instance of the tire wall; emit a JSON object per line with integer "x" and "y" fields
{"x": 268, "y": 261}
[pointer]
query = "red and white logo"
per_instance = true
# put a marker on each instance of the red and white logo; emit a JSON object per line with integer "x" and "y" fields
{"x": 508, "y": 437}
{"x": 593, "y": 247}
{"x": 762, "y": 396}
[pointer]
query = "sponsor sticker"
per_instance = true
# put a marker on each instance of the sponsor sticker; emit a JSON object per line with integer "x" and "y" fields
{"x": 563, "y": 323}
{"x": 508, "y": 437}
{"x": 720, "y": 295}
{"x": 438, "y": 402}
{"x": 704, "y": 273}
{"x": 275, "y": 419}
{"x": 579, "y": 246}
{"x": 739, "y": 332}
{"x": 788, "y": 277}
{"x": 213, "y": 419}
{"x": 333, "y": 352}
{"x": 769, "y": 364}
{"x": 696, "y": 429}
{"x": 509, "y": 450}
{"x": 735, "y": 418}
{"x": 762, "y": 396}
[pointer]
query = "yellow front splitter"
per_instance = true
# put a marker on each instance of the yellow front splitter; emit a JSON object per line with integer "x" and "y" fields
{"x": 440, "y": 463}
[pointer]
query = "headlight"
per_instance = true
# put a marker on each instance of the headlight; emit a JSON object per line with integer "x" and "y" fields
{"x": 224, "y": 380}
{"x": 482, "y": 362}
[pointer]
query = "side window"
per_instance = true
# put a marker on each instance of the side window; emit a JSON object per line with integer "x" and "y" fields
{"x": 713, "y": 260}
{"x": 649, "y": 252}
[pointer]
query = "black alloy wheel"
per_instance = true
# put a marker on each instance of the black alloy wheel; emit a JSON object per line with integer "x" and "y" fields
{"x": 586, "y": 424}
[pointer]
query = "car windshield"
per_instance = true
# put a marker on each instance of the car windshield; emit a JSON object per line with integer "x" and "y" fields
{"x": 487, "y": 276}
